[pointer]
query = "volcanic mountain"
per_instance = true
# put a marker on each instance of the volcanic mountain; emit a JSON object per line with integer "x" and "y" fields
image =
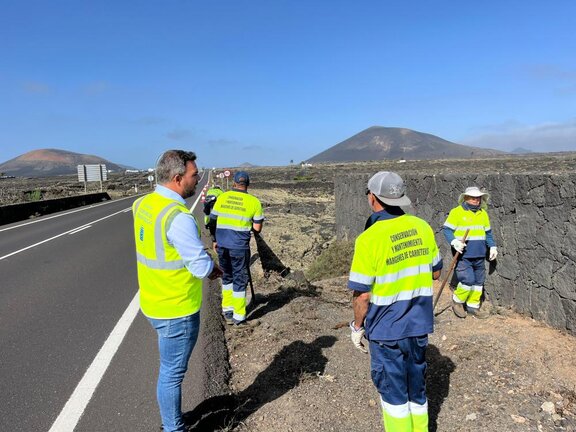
{"x": 384, "y": 143}
{"x": 50, "y": 162}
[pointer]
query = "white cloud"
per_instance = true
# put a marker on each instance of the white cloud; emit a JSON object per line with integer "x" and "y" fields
{"x": 547, "y": 137}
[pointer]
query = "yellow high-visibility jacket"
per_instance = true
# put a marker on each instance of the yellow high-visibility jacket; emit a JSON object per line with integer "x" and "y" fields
{"x": 167, "y": 288}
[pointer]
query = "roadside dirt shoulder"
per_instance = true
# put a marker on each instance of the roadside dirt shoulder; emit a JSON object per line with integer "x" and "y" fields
{"x": 293, "y": 367}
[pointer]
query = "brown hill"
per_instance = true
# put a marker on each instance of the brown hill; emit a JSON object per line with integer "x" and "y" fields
{"x": 50, "y": 162}
{"x": 382, "y": 143}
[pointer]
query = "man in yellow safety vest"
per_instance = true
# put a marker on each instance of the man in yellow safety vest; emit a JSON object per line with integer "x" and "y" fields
{"x": 395, "y": 261}
{"x": 171, "y": 265}
{"x": 235, "y": 214}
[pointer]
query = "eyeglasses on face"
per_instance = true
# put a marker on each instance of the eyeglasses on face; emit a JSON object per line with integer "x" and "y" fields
{"x": 367, "y": 191}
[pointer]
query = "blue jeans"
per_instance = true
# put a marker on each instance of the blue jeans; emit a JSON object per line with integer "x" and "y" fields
{"x": 398, "y": 369}
{"x": 176, "y": 339}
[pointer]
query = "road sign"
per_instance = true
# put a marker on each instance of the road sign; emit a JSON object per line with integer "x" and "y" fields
{"x": 226, "y": 173}
{"x": 150, "y": 178}
{"x": 221, "y": 175}
{"x": 88, "y": 173}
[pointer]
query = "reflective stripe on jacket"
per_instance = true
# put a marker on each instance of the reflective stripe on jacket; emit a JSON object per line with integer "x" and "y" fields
{"x": 394, "y": 260}
{"x": 459, "y": 220}
{"x": 167, "y": 288}
{"x": 236, "y": 211}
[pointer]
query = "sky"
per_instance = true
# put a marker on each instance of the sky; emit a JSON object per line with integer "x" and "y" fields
{"x": 273, "y": 81}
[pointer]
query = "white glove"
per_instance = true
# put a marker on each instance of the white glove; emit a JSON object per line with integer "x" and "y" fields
{"x": 357, "y": 336}
{"x": 493, "y": 253}
{"x": 458, "y": 245}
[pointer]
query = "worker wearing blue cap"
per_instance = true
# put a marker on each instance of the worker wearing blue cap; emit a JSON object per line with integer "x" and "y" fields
{"x": 235, "y": 214}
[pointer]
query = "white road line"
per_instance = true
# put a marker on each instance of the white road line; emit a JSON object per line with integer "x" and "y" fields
{"x": 70, "y": 415}
{"x": 79, "y": 229}
{"x": 74, "y": 408}
{"x": 59, "y": 235}
{"x": 64, "y": 214}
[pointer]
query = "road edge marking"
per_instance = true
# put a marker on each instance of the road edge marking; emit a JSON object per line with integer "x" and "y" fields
{"x": 74, "y": 408}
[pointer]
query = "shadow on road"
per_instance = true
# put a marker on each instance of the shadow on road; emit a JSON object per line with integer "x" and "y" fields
{"x": 292, "y": 364}
{"x": 437, "y": 383}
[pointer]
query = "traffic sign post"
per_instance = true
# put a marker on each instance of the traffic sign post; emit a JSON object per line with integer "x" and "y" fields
{"x": 93, "y": 172}
{"x": 227, "y": 175}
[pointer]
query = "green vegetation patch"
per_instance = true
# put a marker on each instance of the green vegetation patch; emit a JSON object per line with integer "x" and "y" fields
{"x": 334, "y": 261}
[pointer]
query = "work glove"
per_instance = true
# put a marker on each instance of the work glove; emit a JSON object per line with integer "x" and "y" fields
{"x": 459, "y": 245}
{"x": 357, "y": 336}
{"x": 493, "y": 253}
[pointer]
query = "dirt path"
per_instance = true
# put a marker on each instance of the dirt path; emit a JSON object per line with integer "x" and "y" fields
{"x": 293, "y": 368}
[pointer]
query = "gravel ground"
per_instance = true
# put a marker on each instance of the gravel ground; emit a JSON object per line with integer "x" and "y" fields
{"x": 293, "y": 367}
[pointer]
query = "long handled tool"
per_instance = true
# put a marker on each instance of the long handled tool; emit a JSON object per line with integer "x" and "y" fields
{"x": 253, "y": 300}
{"x": 252, "y": 303}
{"x": 452, "y": 265}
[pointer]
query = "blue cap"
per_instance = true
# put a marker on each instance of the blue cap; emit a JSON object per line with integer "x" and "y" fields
{"x": 242, "y": 178}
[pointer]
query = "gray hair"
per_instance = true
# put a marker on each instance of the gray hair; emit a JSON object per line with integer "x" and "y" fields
{"x": 172, "y": 163}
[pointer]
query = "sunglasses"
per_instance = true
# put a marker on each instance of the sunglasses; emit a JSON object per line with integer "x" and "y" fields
{"x": 367, "y": 191}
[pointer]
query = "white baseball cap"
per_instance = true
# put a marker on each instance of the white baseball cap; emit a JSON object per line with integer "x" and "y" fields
{"x": 389, "y": 188}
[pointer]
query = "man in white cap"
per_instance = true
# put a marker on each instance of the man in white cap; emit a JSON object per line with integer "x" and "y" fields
{"x": 395, "y": 261}
{"x": 471, "y": 214}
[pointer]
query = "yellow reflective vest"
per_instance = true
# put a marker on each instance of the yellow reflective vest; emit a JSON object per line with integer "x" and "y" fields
{"x": 167, "y": 289}
{"x": 236, "y": 211}
{"x": 394, "y": 260}
{"x": 460, "y": 219}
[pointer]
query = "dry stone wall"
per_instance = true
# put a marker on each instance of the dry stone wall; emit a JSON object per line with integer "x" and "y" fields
{"x": 533, "y": 217}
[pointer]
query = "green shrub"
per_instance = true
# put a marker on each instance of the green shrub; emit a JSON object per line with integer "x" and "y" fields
{"x": 35, "y": 195}
{"x": 334, "y": 261}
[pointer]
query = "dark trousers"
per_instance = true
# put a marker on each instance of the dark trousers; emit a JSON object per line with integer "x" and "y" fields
{"x": 234, "y": 264}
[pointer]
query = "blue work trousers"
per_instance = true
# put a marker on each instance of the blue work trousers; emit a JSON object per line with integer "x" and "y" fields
{"x": 398, "y": 369}
{"x": 471, "y": 271}
{"x": 176, "y": 340}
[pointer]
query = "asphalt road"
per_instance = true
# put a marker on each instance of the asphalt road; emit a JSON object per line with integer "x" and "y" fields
{"x": 66, "y": 279}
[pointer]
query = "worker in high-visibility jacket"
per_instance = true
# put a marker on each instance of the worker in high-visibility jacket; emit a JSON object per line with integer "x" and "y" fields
{"x": 171, "y": 264}
{"x": 234, "y": 216}
{"x": 212, "y": 195}
{"x": 471, "y": 214}
{"x": 395, "y": 261}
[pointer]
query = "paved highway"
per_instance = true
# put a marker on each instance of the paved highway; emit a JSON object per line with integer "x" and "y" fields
{"x": 67, "y": 297}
